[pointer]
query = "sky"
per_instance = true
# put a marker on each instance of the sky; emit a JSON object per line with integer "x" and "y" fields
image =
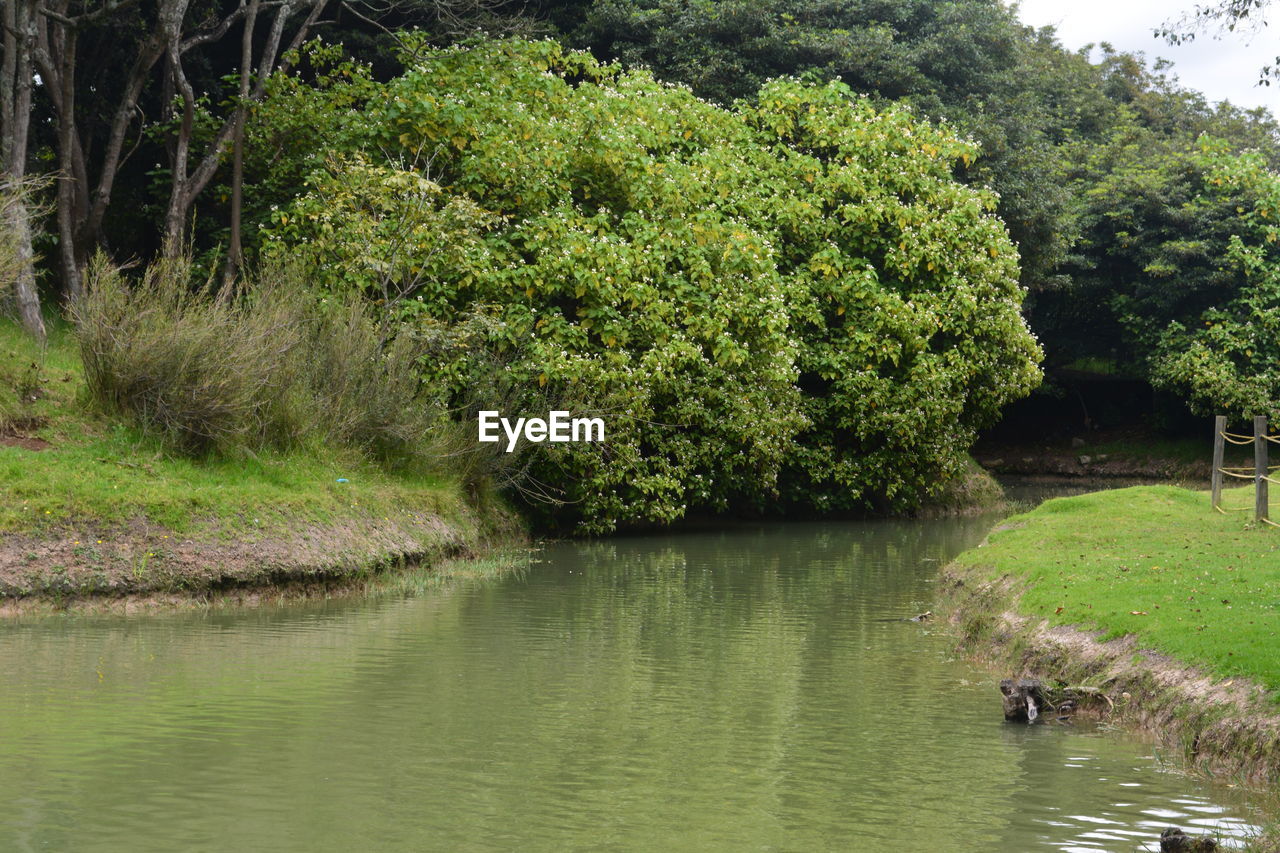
{"x": 1223, "y": 69}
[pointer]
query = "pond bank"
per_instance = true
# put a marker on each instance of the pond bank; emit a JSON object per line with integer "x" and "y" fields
{"x": 142, "y": 565}
{"x": 1122, "y": 454}
{"x": 763, "y": 667}
{"x": 1169, "y": 610}
{"x": 94, "y": 508}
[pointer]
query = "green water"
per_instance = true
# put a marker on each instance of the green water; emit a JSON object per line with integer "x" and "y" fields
{"x": 753, "y": 689}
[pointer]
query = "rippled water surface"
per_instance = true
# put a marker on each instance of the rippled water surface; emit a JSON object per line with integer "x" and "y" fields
{"x": 755, "y": 689}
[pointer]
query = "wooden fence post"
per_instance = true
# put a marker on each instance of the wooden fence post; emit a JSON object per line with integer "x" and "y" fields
{"x": 1260, "y": 466}
{"x": 1215, "y": 479}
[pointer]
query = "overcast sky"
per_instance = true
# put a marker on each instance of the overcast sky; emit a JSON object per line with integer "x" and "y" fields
{"x": 1224, "y": 69}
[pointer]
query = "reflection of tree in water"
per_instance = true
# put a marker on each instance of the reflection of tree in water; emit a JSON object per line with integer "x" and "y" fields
{"x": 767, "y": 651}
{"x": 728, "y": 690}
{"x": 864, "y": 570}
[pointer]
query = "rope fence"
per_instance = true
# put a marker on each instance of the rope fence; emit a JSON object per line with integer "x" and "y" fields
{"x": 1259, "y": 473}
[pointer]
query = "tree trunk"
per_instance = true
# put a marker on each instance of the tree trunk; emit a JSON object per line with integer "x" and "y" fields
{"x": 171, "y": 19}
{"x": 15, "y": 126}
{"x": 69, "y": 258}
{"x": 187, "y": 186}
{"x": 18, "y": 222}
{"x": 80, "y": 214}
{"x": 235, "y": 252}
{"x": 73, "y": 182}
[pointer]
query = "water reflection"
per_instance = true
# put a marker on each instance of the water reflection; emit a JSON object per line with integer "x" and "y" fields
{"x": 751, "y": 689}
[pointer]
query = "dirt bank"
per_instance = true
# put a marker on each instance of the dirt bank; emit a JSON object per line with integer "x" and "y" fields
{"x": 146, "y": 561}
{"x": 1227, "y": 727}
{"x": 1120, "y": 453}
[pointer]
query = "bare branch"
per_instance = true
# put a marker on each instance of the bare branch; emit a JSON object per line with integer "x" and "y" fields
{"x": 83, "y": 20}
{"x": 217, "y": 31}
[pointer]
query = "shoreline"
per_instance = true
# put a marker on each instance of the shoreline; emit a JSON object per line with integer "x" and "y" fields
{"x": 1221, "y": 720}
{"x": 1224, "y": 728}
{"x": 143, "y": 566}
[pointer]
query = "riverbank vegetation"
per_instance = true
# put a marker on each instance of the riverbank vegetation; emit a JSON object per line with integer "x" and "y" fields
{"x": 792, "y": 256}
{"x": 775, "y": 302}
{"x": 99, "y": 505}
{"x": 1158, "y": 613}
{"x": 1150, "y": 562}
{"x": 1142, "y": 213}
{"x": 789, "y": 302}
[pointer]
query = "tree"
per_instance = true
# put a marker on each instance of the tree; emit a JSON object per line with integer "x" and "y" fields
{"x": 186, "y": 182}
{"x": 83, "y": 198}
{"x": 123, "y": 77}
{"x": 970, "y": 63}
{"x": 1223, "y": 354}
{"x": 1216, "y": 18}
{"x": 795, "y": 296}
{"x": 16, "y": 80}
{"x": 122, "y": 45}
{"x": 1148, "y": 251}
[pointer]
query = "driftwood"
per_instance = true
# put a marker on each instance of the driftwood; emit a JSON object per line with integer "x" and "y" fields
{"x": 1028, "y": 699}
{"x": 1023, "y": 699}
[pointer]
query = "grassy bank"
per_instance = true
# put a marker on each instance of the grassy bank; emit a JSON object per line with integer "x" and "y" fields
{"x": 1154, "y": 562}
{"x": 94, "y": 506}
{"x": 1166, "y": 611}
{"x": 973, "y": 491}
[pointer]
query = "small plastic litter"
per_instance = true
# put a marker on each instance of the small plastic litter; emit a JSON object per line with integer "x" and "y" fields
{"x": 343, "y": 480}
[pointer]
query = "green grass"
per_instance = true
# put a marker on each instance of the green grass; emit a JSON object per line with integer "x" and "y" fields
{"x": 1155, "y": 562}
{"x": 100, "y": 473}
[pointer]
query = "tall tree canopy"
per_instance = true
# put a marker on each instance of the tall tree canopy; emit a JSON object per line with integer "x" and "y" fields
{"x": 796, "y": 294}
{"x": 1063, "y": 139}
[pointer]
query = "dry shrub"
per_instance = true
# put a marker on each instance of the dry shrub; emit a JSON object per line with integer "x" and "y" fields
{"x": 21, "y": 385}
{"x": 264, "y": 365}
{"x": 367, "y": 390}
{"x": 10, "y": 261}
{"x": 204, "y": 370}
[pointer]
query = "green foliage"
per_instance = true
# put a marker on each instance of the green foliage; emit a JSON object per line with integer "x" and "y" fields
{"x": 795, "y": 293}
{"x": 1226, "y": 358}
{"x": 970, "y": 62}
{"x": 407, "y": 225}
{"x": 324, "y": 101}
{"x": 1176, "y": 278}
{"x": 904, "y": 296}
{"x": 1153, "y": 230}
{"x": 362, "y": 389}
{"x": 1092, "y": 162}
{"x": 100, "y": 474}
